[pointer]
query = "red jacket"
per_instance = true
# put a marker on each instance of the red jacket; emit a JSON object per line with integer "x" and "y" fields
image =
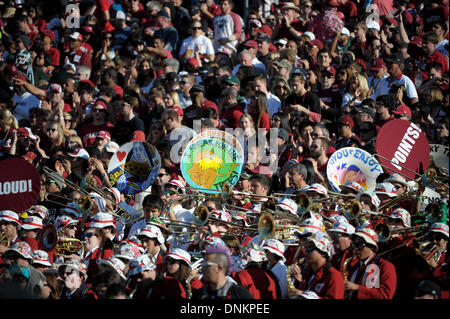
{"x": 327, "y": 283}
{"x": 378, "y": 281}
{"x": 259, "y": 283}
{"x": 92, "y": 268}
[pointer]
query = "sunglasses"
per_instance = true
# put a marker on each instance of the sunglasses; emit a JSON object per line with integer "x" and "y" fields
{"x": 162, "y": 175}
{"x": 359, "y": 244}
{"x": 196, "y": 28}
{"x": 87, "y": 235}
{"x": 171, "y": 192}
{"x": 67, "y": 120}
{"x": 51, "y": 130}
{"x": 206, "y": 264}
{"x": 98, "y": 110}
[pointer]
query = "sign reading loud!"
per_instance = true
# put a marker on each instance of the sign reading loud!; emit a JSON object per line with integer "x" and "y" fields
{"x": 406, "y": 146}
{"x": 20, "y": 184}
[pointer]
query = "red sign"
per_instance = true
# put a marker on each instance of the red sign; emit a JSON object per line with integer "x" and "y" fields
{"x": 20, "y": 184}
{"x": 405, "y": 148}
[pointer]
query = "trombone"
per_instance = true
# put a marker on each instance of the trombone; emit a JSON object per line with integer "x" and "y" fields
{"x": 82, "y": 205}
{"x": 385, "y": 232}
{"x": 268, "y": 229}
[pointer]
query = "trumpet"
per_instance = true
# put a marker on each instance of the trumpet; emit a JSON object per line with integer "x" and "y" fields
{"x": 68, "y": 246}
{"x": 385, "y": 232}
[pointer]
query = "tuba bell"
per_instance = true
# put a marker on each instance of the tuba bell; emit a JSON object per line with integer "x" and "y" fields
{"x": 49, "y": 237}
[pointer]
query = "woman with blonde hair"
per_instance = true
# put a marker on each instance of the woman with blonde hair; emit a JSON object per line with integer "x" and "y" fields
{"x": 358, "y": 90}
{"x": 53, "y": 136}
{"x": 8, "y": 133}
{"x": 156, "y": 133}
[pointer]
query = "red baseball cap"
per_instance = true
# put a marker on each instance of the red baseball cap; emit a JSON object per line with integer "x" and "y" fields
{"x": 377, "y": 64}
{"x": 49, "y": 33}
{"x": 330, "y": 70}
{"x": 402, "y": 109}
{"x": 138, "y": 136}
{"x": 179, "y": 110}
{"x": 316, "y": 43}
{"x": 250, "y": 44}
{"x": 104, "y": 134}
{"x": 101, "y": 103}
{"x": 347, "y": 120}
{"x": 333, "y": 3}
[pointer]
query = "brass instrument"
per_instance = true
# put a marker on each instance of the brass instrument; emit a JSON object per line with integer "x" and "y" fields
{"x": 200, "y": 215}
{"x": 289, "y": 283}
{"x": 385, "y": 232}
{"x": 345, "y": 274}
{"x": 352, "y": 209}
{"x": 268, "y": 229}
{"x": 4, "y": 241}
{"x": 394, "y": 201}
{"x": 68, "y": 246}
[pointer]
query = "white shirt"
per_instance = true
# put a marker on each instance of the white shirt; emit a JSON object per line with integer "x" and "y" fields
{"x": 24, "y": 103}
{"x": 223, "y": 29}
{"x": 441, "y": 48}
{"x": 190, "y": 44}
{"x": 385, "y": 86}
{"x": 279, "y": 270}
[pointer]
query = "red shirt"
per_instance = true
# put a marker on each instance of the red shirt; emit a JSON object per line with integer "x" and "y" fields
{"x": 54, "y": 55}
{"x": 436, "y": 56}
{"x": 230, "y": 116}
{"x": 327, "y": 282}
{"x": 258, "y": 282}
{"x": 373, "y": 284}
{"x": 88, "y": 132}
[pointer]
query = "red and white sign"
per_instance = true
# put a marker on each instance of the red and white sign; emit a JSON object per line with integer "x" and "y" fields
{"x": 405, "y": 148}
{"x": 20, "y": 184}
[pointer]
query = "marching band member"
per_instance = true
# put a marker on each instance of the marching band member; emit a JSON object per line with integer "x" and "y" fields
{"x": 369, "y": 203}
{"x": 174, "y": 191}
{"x": 10, "y": 226}
{"x": 369, "y": 276}
{"x": 152, "y": 239}
{"x": 385, "y": 193}
{"x": 111, "y": 271}
{"x": 274, "y": 250}
{"x": 177, "y": 264}
{"x": 151, "y": 206}
{"x": 217, "y": 283}
{"x": 74, "y": 275}
{"x": 319, "y": 275}
{"x": 438, "y": 258}
{"x": 260, "y": 281}
{"x": 341, "y": 235}
{"x": 152, "y": 284}
{"x": 94, "y": 240}
{"x": 31, "y": 226}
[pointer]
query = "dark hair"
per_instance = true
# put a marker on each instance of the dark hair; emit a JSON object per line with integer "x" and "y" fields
{"x": 263, "y": 179}
{"x": 310, "y": 174}
{"x": 152, "y": 200}
{"x": 116, "y": 289}
{"x": 284, "y": 120}
{"x": 442, "y": 24}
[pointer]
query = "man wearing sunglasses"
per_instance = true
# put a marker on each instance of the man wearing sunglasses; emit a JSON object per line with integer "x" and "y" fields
{"x": 369, "y": 276}
{"x": 74, "y": 274}
{"x": 216, "y": 271}
{"x": 319, "y": 276}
